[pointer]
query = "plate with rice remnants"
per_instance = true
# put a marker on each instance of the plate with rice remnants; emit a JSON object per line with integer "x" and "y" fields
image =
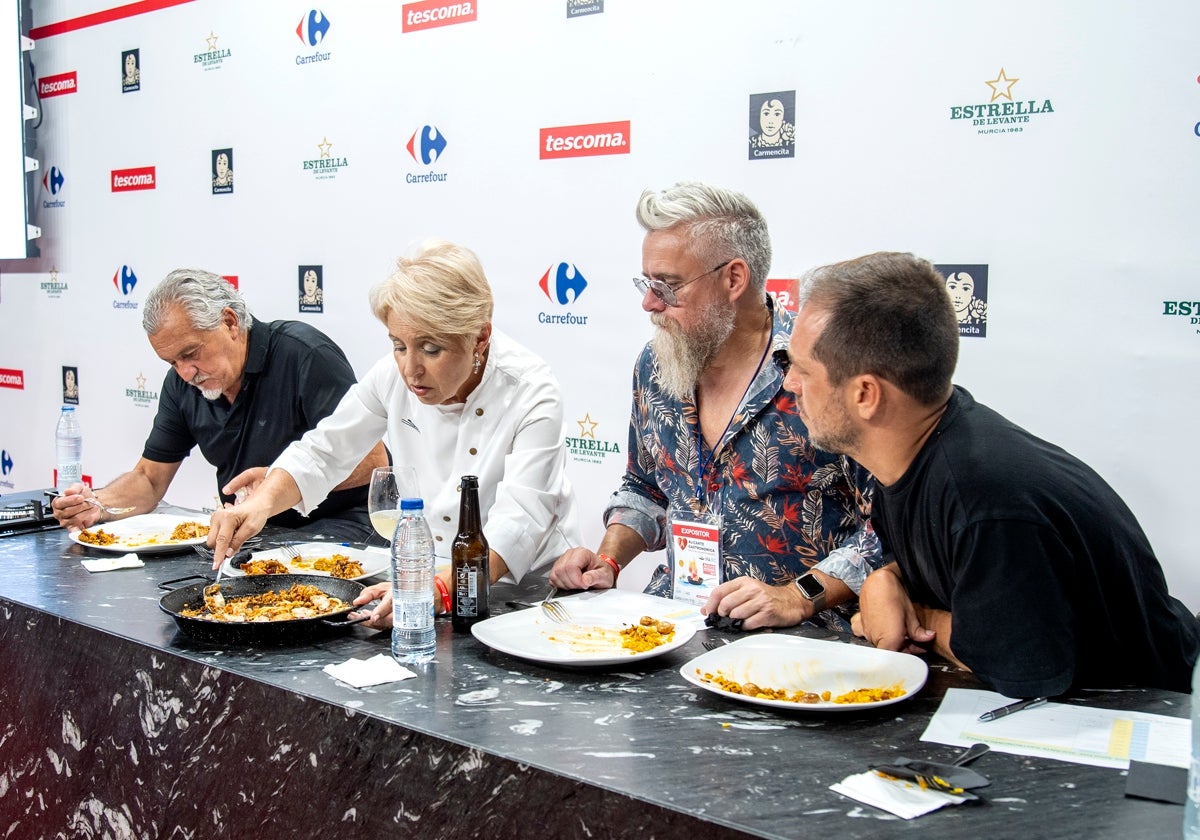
{"x": 608, "y": 627}
{"x": 314, "y": 558}
{"x": 149, "y": 533}
{"x": 807, "y": 675}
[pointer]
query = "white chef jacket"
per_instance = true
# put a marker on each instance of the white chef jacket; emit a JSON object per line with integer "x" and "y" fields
{"x": 509, "y": 432}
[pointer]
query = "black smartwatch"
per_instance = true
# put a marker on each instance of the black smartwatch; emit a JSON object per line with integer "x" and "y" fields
{"x": 812, "y": 589}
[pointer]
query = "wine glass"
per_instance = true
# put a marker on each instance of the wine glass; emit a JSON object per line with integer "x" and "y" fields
{"x": 388, "y": 486}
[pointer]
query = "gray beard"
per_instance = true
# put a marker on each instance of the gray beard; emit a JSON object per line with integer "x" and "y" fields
{"x": 683, "y": 357}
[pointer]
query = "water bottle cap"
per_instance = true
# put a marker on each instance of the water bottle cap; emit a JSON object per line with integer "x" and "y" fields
{"x": 412, "y": 504}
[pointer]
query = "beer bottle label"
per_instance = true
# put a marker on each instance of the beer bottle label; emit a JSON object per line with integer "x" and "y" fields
{"x": 466, "y": 586}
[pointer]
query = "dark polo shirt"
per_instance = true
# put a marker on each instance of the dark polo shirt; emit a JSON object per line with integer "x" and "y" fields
{"x": 295, "y": 376}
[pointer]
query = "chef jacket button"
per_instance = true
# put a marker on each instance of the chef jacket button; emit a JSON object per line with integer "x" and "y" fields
{"x": 479, "y": 412}
{"x": 473, "y": 451}
{"x": 438, "y": 538}
{"x": 445, "y": 518}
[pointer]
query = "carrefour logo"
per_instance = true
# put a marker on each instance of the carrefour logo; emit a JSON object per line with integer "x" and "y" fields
{"x": 312, "y": 31}
{"x": 312, "y": 27}
{"x": 563, "y": 283}
{"x": 52, "y": 182}
{"x": 429, "y": 147}
{"x": 6, "y": 462}
{"x": 124, "y": 281}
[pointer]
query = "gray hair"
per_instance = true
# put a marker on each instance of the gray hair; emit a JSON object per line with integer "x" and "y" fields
{"x": 440, "y": 290}
{"x": 720, "y": 224}
{"x": 202, "y": 296}
{"x": 889, "y": 315}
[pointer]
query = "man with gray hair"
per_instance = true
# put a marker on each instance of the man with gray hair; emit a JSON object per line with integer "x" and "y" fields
{"x": 760, "y": 528}
{"x": 241, "y": 390}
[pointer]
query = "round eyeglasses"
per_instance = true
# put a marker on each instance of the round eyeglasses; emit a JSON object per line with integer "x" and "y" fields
{"x": 665, "y": 291}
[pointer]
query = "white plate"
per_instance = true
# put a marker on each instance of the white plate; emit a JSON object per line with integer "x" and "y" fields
{"x": 149, "y": 533}
{"x": 374, "y": 562}
{"x": 795, "y": 663}
{"x": 527, "y": 633}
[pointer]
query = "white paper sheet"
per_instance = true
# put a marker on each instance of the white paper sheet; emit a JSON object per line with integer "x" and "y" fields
{"x": 1084, "y": 735}
{"x": 899, "y": 797}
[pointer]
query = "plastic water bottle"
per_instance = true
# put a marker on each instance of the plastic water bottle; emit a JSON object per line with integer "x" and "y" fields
{"x": 413, "y": 636}
{"x": 68, "y": 447}
{"x": 1191, "y": 809}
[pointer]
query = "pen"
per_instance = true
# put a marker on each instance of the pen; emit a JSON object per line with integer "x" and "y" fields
{"x": 1020, "y": 705}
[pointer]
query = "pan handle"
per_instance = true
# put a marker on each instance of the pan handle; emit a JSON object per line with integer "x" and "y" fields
{"x": 166, "y": 584}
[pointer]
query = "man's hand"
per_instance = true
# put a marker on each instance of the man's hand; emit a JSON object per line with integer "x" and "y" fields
{"x": 72, "y": 512}
{"x": 232, "y": 526}
{"x": 887, "y": 618}
{"x": 581, "y": 568}
{"x": 245, "y": 483}
{"x": 758, "y": 604}
{"x": 381, "y": 616}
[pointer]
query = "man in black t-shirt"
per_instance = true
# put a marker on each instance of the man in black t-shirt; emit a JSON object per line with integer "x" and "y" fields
{"x": 241, "y": 390}
{"x": 1009, "y": 556}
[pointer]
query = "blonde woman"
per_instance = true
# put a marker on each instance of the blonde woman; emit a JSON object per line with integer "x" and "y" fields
{"x": 455, "y": 397}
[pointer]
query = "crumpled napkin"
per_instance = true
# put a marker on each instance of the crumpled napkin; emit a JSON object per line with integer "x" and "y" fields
{"x": 107, "y": 564}
{"x": 362, "y": 673}
{"x": 900, "y": 797}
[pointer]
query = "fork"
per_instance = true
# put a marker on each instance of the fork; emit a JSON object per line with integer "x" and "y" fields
{"x": 713, "y": 644}
{"x": 290, "y": 551}
{"x": 554, "y": 610}
{"x": 111, "y": 511}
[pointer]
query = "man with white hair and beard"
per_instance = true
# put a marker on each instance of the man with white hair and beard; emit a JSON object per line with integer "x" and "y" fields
{"x": 241, "y": 390}
{"x": 760, "y": 527}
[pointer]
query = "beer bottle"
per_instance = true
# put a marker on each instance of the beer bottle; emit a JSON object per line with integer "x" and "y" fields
{"x": 469, "y": 557}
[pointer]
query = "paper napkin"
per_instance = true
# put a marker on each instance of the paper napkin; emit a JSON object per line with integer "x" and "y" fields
{"x": 362, "y": 673}
{"x": 902, "y": 798}
{"x": 107, "y": 564}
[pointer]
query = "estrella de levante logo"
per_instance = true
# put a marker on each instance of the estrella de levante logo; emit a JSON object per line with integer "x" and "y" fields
{"x": 563, "y": 283}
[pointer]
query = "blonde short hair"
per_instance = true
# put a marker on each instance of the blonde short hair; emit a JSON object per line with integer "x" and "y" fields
{"x": 440, "y": 290}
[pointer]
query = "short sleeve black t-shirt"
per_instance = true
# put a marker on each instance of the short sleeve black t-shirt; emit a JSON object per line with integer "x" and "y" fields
{"x": 294, "y": 377}
{"x": 1050, "y": 580}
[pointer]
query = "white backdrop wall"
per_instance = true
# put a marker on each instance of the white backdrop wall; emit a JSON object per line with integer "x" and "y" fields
{"x": 1079, "y": 227}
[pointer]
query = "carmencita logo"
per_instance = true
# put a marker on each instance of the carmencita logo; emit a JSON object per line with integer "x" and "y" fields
{"x": 1003, "y": 113}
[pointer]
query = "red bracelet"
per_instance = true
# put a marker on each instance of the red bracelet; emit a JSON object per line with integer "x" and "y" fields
{"x": 444, "y": 592}
{"x": 613, "y": 564}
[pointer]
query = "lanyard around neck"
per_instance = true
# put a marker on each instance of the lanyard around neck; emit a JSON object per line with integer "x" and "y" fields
{"x": 702, "y": 463}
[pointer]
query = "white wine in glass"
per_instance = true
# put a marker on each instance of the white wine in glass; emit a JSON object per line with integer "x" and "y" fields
{"x": 388, "y": 486}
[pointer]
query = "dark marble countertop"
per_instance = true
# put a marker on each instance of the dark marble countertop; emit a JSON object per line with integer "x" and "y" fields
{"x": 644, "y": 733}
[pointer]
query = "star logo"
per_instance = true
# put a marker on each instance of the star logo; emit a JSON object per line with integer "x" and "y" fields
{"x": 324, "y": 146}
{"x": 141, "y": 381}
{"x": 212, "y": 41}
{"x": 54, "y": 274}
{"x": 1002, "y": 81}
{"x": 587, "y": 426}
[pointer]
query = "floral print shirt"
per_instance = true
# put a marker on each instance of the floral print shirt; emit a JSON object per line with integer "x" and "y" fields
{"x": 786, "y": 506}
